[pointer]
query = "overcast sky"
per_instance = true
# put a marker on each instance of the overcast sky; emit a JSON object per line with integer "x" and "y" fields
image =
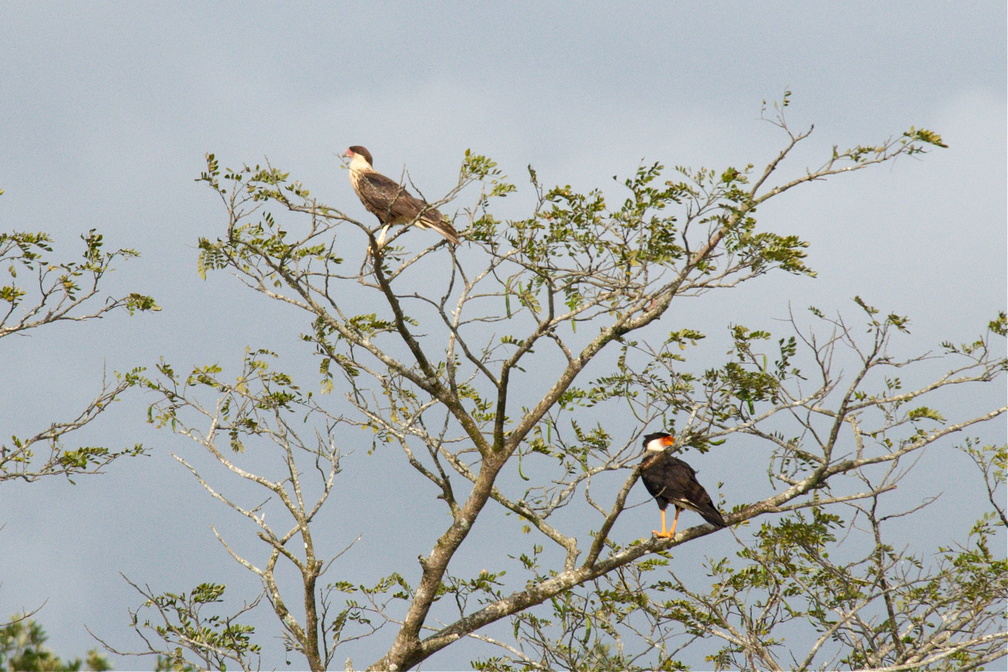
{"x": 107, "y": 109}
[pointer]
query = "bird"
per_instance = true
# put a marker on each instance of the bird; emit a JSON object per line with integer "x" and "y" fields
{"x": 672, "y": 481}
{"x": 390, "y": 202}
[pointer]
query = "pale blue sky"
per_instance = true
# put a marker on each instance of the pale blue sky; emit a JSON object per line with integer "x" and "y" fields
{"x": 108, "y": 108}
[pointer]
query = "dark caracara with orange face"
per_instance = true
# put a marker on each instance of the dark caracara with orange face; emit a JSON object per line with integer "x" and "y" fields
{"x": 389, "y": 201}
{"x": 672, "y": 481}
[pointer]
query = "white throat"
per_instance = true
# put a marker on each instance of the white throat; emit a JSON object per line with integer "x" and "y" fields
{"x": 656, "y": 445}
{"x": 359, "y": 164}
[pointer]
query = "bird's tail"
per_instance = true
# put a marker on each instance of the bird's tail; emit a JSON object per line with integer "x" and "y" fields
{"x": 444, "y": 227}
{"x": 712, "y": 516}
{"x": 431, "y": 218}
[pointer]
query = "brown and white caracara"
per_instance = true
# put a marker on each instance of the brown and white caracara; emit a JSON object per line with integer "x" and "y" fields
{"x": 672, "y": 481}
{"x": 390, "y": 202}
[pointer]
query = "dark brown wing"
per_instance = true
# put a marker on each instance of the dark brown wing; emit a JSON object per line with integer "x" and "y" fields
{"x": 392, "y": 204}
{"x": 670, "y": 480}
{"x": 387, "y": 200}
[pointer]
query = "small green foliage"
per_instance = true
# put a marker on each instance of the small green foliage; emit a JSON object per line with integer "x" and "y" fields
{"x": 684, "y": 337}
{"x": 175, "y": 662}
{"x": 999, "y": 325}
{"x": 367, "y": 326}
{"x": 264, "y": 246}
{"x": 478, "y": 168}
{"x": 24, "y": 248}
{"x": 777, "y": 105}
{"x": 192, "y": 620}
{"x": 81, "y": 458}
{"x": 393, "y": 584}
{"x": 749, "y": 378}
{"x": 923, "y": 412}
{"x": 925, "y": 136}
{"x": 57, "y": 290}
{"x": 481, "y": 168}
{"x": 135, "y": 302}
{"x": 212, "y": 174}
{"x": 21, "y": 458}
{"x": 12, "y": 294}
{"x": 22, "y": 649}
{"x": 259, "y": 388}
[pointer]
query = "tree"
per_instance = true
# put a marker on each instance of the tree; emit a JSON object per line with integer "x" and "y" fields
{"x": 22, "y": 649}
{"x": 44, "y": 292}
{"x": 511, "y": 350}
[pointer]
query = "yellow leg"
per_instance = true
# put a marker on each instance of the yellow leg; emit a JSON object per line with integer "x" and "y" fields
{"x": 670, "y": 533}
{"x": 675, "y": 521}
{"x": 662, "y": 533}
